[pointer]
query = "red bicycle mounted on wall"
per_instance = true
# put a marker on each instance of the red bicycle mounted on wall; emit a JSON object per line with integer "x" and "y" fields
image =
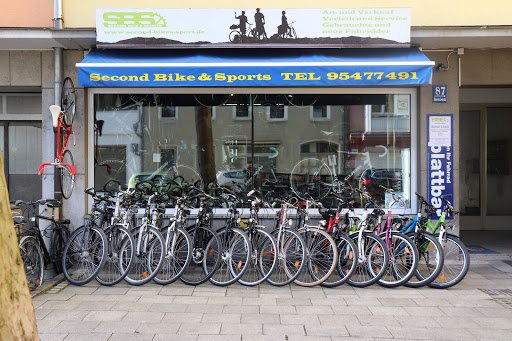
{"x": 63, "y": 121}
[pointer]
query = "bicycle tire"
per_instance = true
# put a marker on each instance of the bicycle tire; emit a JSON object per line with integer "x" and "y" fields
{"x": 371, "y": 260}
{"x": 85, "y": 250}
{"x": 307, "y": 186}
{"x": 148, "y": 259}
{"x": 293, "y": 34}
{"x": 456, "y": 261}
{"x": 403, "y": 261}
{"x": 68, "y": 101}
{"x": 33, "y": 261}
{"x": 321, "y": 257}
{"x": 186, "y": 175}
{"x": 430, "y": 261}
{"x": 235, "y": 37}
{"x": 175, "y": 261}
{"x": 235, "y": 256}
{"x": 195, "y": 273}
{"x": 347, "y": 261}
{"x": 291, "y": 257}
{"x": 117, "y": 263}
{"x": 59, "y": 243}
{"x": 262, "y": 262}
{"x": 67, "y": 180}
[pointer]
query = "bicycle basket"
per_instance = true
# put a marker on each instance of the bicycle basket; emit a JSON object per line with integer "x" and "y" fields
{"x": 233, "y": 27}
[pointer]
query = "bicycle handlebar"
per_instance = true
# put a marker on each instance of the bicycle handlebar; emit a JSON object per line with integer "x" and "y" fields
{"x": 290, "y": 205}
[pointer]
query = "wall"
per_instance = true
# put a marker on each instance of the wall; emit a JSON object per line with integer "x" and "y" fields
{"x": 34, "y": 70}
{"x": 21, "y": 68}
{"x": 486, "y": 67}
{"x": 423, "y": 13}
{"x": 27, "y": 13}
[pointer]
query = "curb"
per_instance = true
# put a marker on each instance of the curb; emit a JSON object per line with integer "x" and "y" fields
{"x": 49, "y": 285}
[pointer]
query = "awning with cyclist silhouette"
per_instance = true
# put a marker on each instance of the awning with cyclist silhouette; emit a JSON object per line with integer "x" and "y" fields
{"x": 254, "y": 67}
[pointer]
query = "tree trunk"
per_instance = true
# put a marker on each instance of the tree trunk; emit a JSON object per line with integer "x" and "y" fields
{"x": 205, "y": 144}
{"x": 17, "y": 318}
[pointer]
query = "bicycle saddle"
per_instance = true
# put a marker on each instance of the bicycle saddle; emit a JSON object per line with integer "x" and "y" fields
{"x": 52, "y": 203}
{"x": 378, "y": 212}
{"x": 19, "y": 219}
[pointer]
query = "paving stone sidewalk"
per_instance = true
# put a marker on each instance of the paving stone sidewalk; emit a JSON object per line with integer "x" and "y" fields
{"x": 180, "y": 312}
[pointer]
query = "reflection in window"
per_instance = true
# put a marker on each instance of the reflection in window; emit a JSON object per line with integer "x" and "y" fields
{"x": 169, "y": 113}
{"x": 363, "y": 139}
{"x": 320, "y": 113}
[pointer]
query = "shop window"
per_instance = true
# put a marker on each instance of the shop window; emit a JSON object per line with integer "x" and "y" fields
{"x": 394, "y": 115}
{"x": 365, "y": 140}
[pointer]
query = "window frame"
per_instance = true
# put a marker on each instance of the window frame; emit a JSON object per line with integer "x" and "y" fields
{"x": 168, "y": 119}
{"x": 327, "y": 118}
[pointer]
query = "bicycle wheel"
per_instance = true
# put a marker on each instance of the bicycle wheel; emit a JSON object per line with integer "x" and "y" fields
{"x": 430, "y": 261}
{"x": 321, "y": 257}
{"x": 347, "y": 261}
{"x": 84, "y": 255}
{"x": 117, "y": 263}
{"x": 262, "y": 262}
{"x": 291, "y": 257}
{"x": 68, "y": 100}
{"x": 235, "y": 257}
{"x": 186, "y": 175}
{"x": 67, "y": 180}
{"x": 148, "y": 257}
{"x": 403, "y": 260}
{"x": 33, "y": 261}
{"x": 178, "y": 253}
{"x": 373, "y": 258}
{"x": 201, "y": 268}
{"x": 311, "y": 178}
{"x": 456, "y": 262}
{"x": 235, "y": 37}
{"x": 61, "y": 237}
{"x": 293, "y": 34}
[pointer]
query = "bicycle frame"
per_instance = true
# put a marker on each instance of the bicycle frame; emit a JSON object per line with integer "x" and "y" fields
{"x": 144, "y": 227}
{"x": 60, "y": 151}
{"x": 179, "y": 218}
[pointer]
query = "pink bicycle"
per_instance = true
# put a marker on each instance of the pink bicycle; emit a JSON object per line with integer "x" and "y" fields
{"x": 63, "y": 121}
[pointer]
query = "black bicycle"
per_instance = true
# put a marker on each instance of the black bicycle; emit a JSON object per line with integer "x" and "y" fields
{"x": 85, "y": 252}
{"x": 206, "y": 254}
{"x": 36, "y": 256}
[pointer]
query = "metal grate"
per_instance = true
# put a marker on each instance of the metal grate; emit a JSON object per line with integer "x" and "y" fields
{"x": 497, "y": 292}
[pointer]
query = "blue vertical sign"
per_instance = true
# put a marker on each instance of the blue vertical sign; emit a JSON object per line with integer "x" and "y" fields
{"x": 439, "y": 159}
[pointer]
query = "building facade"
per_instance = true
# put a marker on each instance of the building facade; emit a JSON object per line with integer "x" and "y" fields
{"x": 372, "y": 135}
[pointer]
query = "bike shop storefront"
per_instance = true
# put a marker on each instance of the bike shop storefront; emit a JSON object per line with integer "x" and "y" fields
{"x": 283, "y": 121}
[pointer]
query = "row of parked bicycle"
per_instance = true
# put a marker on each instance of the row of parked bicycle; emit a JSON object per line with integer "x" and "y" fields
{"x": 115, "y": 244}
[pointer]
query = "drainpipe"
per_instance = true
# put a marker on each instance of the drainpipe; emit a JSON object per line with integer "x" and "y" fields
{"x": 58, "y": 71}
{"x": 51, "y": 186}
{"x": 57, "y": 14}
